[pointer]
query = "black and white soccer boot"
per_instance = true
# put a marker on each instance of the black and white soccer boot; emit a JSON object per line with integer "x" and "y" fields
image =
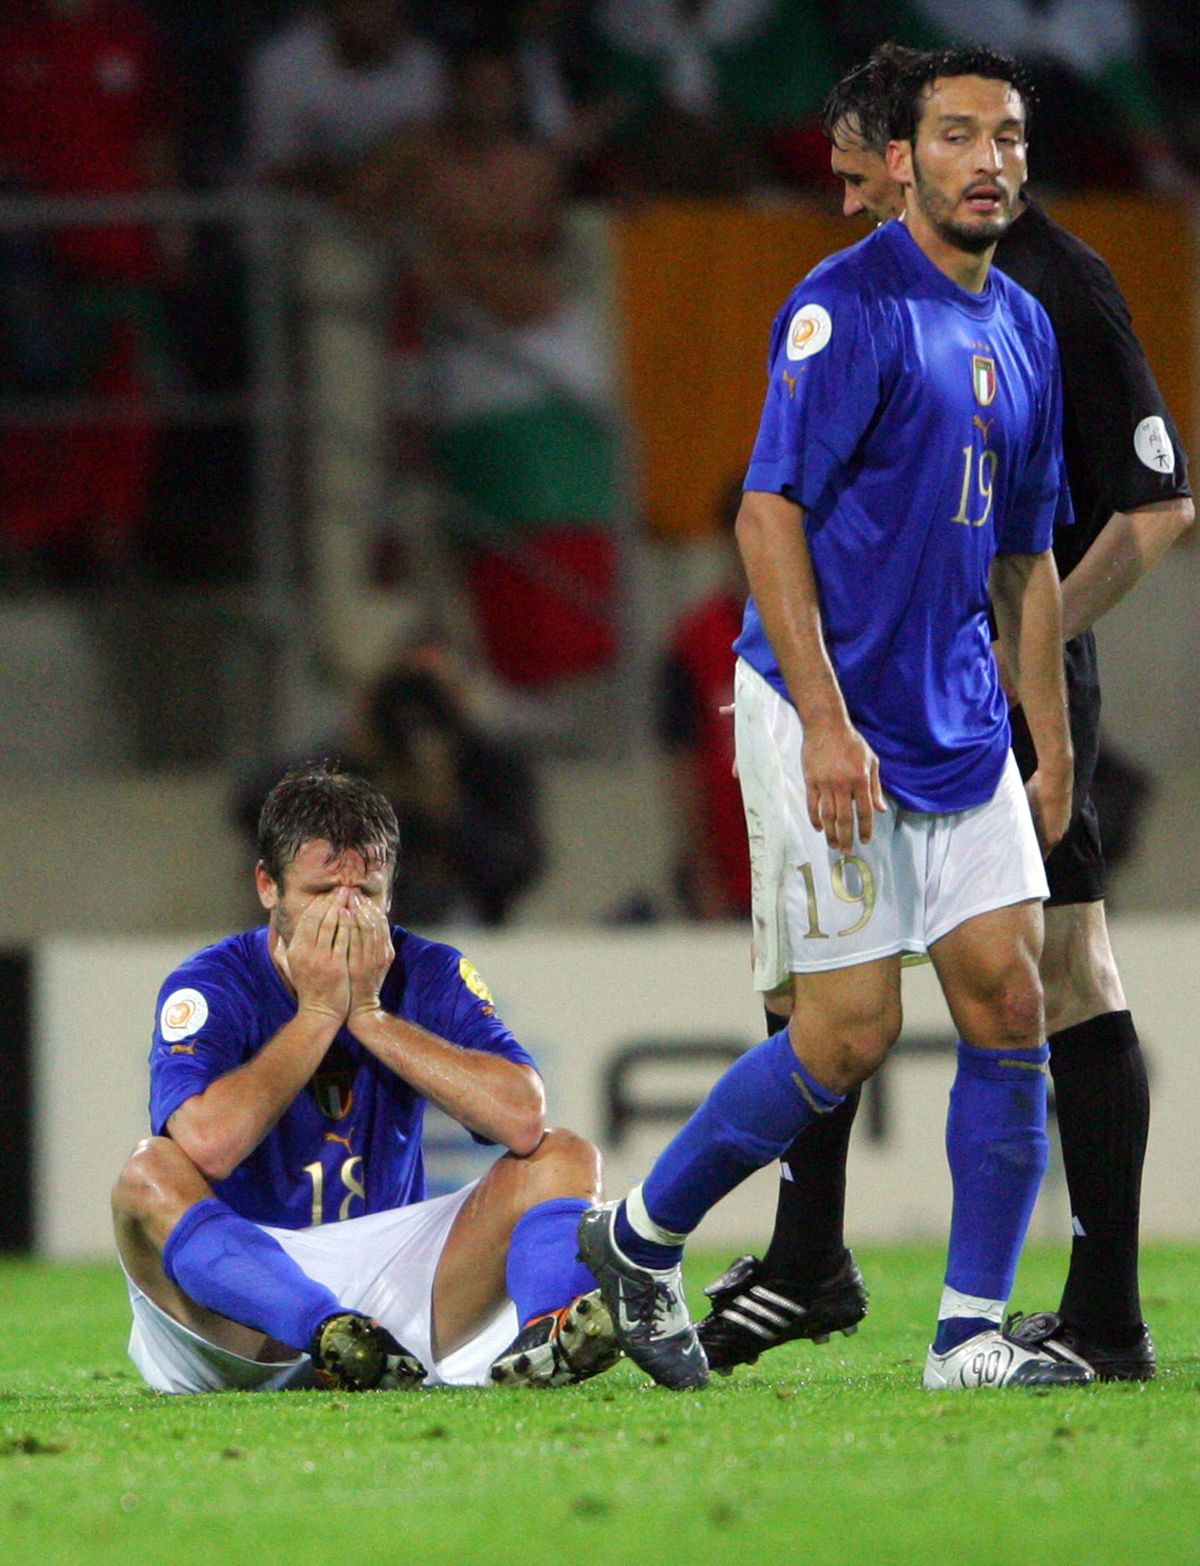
{"x": 1048, "y": 1332}
{"x": 752, "y": 1312}
{"x": 352, "y": 1353}
{"x": 561, "y": 1347}
{"x": 994, "y": 1358}
{"x": 648, "y": 1309}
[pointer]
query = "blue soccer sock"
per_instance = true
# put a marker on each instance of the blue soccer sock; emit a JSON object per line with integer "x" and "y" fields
{"x": 752, "y": 1113}
{"x": 230, "y": 1265}
{"x": 997, "y": 1149}
{"x": 543, "y": 1272}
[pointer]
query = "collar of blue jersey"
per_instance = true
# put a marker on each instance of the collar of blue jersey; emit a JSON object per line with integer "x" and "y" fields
{"x": 918, "y": 268}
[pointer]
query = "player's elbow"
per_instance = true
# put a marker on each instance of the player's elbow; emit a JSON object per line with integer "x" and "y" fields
{"x": 216, "y": 1162}
{"x": 525, "y": 1132}
{"x": 525, "y": 1120}
{"x": 214, "y": 1158}
{"x": 207, "y": 1146}
{"x": 526, "y": 1139}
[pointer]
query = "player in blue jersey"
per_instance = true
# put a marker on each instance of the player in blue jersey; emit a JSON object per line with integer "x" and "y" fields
{"x": 908, "y": 469}
{"x": 274, "y": 1229}
{"x": 1129, "y": 486}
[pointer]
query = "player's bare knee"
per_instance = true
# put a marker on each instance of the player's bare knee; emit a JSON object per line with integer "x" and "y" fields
{"x": 565, "y": 1164}
{"x": 158, "y": 1179}
{"x": 842, "y": 1056}
{"x": 860, "y": 1054}
{"x": 1015, "y": 1017}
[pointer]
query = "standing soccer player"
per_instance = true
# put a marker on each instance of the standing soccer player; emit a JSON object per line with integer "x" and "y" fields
{"x": 1128, "y": 478}
{"x": 274, "y": 1229}
{"x": 909, "y": 455}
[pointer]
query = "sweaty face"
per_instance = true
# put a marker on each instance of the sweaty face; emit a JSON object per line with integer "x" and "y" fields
{"x": 969, "y": 160}
{"x": 867, "y": 187}
{"x": 315, "y": 870}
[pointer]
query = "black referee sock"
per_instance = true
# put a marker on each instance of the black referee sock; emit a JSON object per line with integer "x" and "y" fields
{"x": 809, "y": 1244}
{"x": 1103, "y": 1107}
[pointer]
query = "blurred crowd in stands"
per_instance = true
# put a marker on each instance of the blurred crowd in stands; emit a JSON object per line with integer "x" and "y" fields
{"x": 460, "y": 130}
{"x": 471, "y": 122}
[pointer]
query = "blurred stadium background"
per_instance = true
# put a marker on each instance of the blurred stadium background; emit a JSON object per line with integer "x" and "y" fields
{"x": 273, "y": 428}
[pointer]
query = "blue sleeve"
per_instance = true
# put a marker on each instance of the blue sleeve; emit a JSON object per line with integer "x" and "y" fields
{"x": 1042, "y": 501}
{"x": 201, "y": 1031}
{"x": 825, "y": 386}
{"x": 447, "y": 995}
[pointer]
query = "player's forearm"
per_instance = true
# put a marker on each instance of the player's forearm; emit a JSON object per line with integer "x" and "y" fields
{"x": 1126, "y": 548}
{"x": 491, "y": 1096}
{"x": 1036, "y": 602}
{"x": 770, "y": 534}
{"x": 222, "y": 1126}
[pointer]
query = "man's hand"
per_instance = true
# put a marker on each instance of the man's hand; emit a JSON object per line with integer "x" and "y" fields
{"x": 841, "y": 773}
{"x": 1049, "y": 793}
{"x": 315, "y": 960}
{"x": 371, "y": 954}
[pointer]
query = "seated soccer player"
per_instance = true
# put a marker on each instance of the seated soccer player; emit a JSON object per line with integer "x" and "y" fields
{"x": 274, "y": 1229}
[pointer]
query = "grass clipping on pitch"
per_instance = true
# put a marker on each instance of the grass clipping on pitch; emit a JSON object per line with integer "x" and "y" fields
{"x": 826, "y": 1456}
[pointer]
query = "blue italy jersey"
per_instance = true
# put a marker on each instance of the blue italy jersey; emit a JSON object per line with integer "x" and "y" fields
{"x": 919, "y": 425}
{"x": 350, "y": 1143}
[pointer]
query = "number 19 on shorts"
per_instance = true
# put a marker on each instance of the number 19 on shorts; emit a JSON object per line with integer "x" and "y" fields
{"x": 853, "y": 884}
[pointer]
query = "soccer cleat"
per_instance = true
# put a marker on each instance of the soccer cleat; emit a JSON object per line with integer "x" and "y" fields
{"x": 352, "y": 1353}
{"x": 564, "y": 1346}
{"x": 647, "y": 1307}
{"x": 995, "y": 1359}
{"x": 1049, "y": 1332}
{"x": 752, "y": 1312}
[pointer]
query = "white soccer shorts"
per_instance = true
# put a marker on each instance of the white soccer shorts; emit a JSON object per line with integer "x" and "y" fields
{"x": 382, "y": 1265}
{"x": 920, "y": 876}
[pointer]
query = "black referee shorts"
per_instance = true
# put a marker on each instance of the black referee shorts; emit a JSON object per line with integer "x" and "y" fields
{"x": 1075, "y": 870}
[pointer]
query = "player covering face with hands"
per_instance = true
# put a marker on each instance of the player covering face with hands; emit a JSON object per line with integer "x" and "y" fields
{"x": 274, "y": 1228}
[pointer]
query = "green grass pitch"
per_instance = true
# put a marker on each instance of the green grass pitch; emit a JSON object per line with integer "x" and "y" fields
{"x": 825, "y": 1456}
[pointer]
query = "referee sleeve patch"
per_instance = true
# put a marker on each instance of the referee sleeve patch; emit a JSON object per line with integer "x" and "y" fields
{"x": 808, "y": 332}
{"x": 1153, "y": 445}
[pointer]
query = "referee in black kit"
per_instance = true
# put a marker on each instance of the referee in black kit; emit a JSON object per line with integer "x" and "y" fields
{"x": 1129, "y": 484}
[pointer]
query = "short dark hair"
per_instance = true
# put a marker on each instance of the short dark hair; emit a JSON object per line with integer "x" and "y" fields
{"x": 908, "y": 100}
{"x": 862, "y": 101}
{"x": 317, "y": 801}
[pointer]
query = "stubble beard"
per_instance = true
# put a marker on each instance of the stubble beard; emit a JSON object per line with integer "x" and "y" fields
{"x": 938, "y": 212}
{"x": 284, "y": 923}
